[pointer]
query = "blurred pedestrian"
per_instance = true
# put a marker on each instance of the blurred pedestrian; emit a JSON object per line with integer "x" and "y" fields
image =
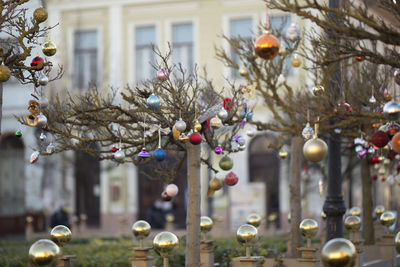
{"x": 60, "y": 217}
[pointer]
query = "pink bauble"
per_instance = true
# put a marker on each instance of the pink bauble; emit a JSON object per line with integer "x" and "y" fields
{"x": 231, "y": 179}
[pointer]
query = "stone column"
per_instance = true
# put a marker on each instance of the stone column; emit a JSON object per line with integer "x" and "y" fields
{"x": 387, "y": 248}
{"x": 246, "y": 261}
{"x": 29, "y": 228}
{"x": 206, "y": 253}
{"x": 141, "y": 258}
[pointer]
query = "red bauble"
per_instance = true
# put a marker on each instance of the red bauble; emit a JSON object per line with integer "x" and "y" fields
{"x": 195, "y": 138}
{"x": 375, "y": 160}
{"x": 228, "y": 104}
{"x": 165, "y": 196}
{"x": 374, "y": 177}
{"x": 231, "y": 179}
{"x": 391, "y": 154}
{"x": 37, "y": 62}
{"x": 396, "y": 143}
{"x": 380, "y": 139}
{"x": 383, "y": 179}
{"x": 344, "y": 109}
{"x": 114, "y": 149}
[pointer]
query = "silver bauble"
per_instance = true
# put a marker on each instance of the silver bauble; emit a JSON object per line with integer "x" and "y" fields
{"x": 397, "y": 76}
{"x": 250, "y": 132}
{"x": 34, "y": 157}
{"x": 215, "y": 122}
{"x": 391, "y": 110}
{"x": 222, "y": 114}
{"x": 242, "y": 147}
{"x": 241, "y": 141}
{"x": 153, "y": 102}
{"x": 172, "y": 190}
{"x": 43, "y": 102}
{"x": 372, "y": 100}
{"x": 180, "y": 125}
{"x": 293, "y": 32}
{"x": 41, "y": 121}
{"x": 50, "y": 149}
{"x": 307, "y": 132}
{"x": 43, "y": 80}
{"x": 235, "y": 146}
{"x": 119, "y": 155}
{"x": 42, "y": 137}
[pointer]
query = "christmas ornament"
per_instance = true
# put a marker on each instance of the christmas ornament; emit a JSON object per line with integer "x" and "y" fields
{"x": 172, "y": 190}
{"x": 215, "y": 184}
{"x": 175, "y": 133}
{"x": 362, "y": 153}
{"x": 228, "y": 104}
{"x": 180, "y": 125}
{"x": 38, "y": 63}
{"x": 397, "y": 76}
{"x": 44, "y": 252}
{"x": 165, "y": 196}
{"x": 153, "y": 102}
{"x": 395, "y": 143}
{"x": 43, "y": 80}
{"x": 49, "y": 48}
{"x": 243, "y": 72}
{"x": 215, "y": 123}
{"x": 380, "y": 139}
{"x": 240, "y": 140}
{"x": 18, "y": 133}
{"x": 391, "y": 110}
{"x": 296, "y": 62}
{"x": 231, "y": 179}
{"x": 114, "y": 148}
{"x": 42, "y": 137}
{"x": 218, "y": 150}
{"x": 293, "y": 33}
{"x": 183, "y": 137}
{"x": 250, "y": 132}
{"x": 43, "y": 102}
{"x": 242, "y": 147}
{"x": 374, "y": 177}
{"x": 162, "y": 75}
{"x": 143, "y": 155}
{"x": 392, "y": 129}
{"x": 197, "y": 126}
{"x": 372, "y": 100}
{"x": 307, "y": 132}
{"x": 119, "y": 155}
{"x": 359, "y": 58}
{"x": 40, "y": 14}
{"x": 41, "y": 121}
{"x": 226, "y": 163}
{"x": 382, "y": 170}
{"x": 5, "y": 73}
{"x": 315, "y": 149}
{"x": 222, "y": 114}
{"x": 34, "y": 157}
{"x": 318, "y": 90}
{"x": 386, "y": 95}
{"x": 283, "y": 153}
{"x": 50, "y": 149}
{"x": 159, "y": 154}
{"x": 267, "y": 46}
{"x": 195, "y": 138}
{"x": 344, "y": 110}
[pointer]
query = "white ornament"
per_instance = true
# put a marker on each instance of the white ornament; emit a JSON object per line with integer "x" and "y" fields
{"x": 34, "y": 157}
{"x": 43, "y": 102}
{"x": 50, "y": 149}
{"x": 180, "y": 125}
{"x": 222, "y": 114}
{"x": 307, "y": 132}
{"x": 41, "y": 121}
{"x": 119, "y": 155}
{"x": 172, "y": 190}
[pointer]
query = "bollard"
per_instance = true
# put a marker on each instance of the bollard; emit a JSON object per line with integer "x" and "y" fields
{"x": 61, "y": 235}
{"x": 387, "y": 245}
{"x": 206, "y": 246}
{"x": 141, "y": 229}
{"x": 169, "y": 222}
{"x": 165, "y": 243}
{"x": 29, "y": 228}
{"x": 247, "y": 235}
{"x": 74, "y": 226}
{"x": 353, "y": 225}
{"x": 122, "y": 222}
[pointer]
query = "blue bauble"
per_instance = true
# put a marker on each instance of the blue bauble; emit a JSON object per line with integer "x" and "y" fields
{"x": 153, "y": 102}
{"x": 249, "y": 115}
{"x": 159, "y": 154}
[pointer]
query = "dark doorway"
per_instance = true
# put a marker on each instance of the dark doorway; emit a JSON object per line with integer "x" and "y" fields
{"x": 264, "y": 167}
{"x": 87, "y": 188}
{"x": 151, "y": 187}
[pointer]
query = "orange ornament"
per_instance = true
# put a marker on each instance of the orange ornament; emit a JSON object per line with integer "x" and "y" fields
{"x": 396, "y": 142}
{"x": 267, "y": 46}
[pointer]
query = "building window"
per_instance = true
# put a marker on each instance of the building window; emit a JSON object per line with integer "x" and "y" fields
{"x": 85, "y": 59}
{"x": 145, "y": 38}
{"x": 239, "y": 28}
{"x": 281, "y": 24}
{"x": 182, "y": 45}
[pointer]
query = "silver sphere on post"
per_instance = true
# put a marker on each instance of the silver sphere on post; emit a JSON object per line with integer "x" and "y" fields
{"x": 206, "y": 224}
{"x": 141, "y": 229}
{"x": 44, "y": 252}
{"x": 247, "y": 235}
{"x": 353, "y": 225}
{"x": 254, "y": 219}
{"x": 338, "y": 252}
{"x": 165, "y": 243}
{"x": 308, "y": 228}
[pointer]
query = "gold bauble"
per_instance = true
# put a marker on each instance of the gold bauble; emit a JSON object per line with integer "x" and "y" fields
{"x": 296, "y": 62}
{"x": 170, "y": 218}
{"x": 315, "y": 150}
{"x": 338, "y": 252}
{"x": 308, "y": 228}
{"x": 254, "y": 219}
{"x": 323, "y": 215}
{"x": 215, "y": 184}
{"x": 289, "y": 217}
{"x": 355, "y": 211}
{"x": 397, "y": 242}
{"x": 49, "y": 48}
{"x": 215, "y": 122}
{"x": 165, "y": 243}
{"x": 206, "y": 224}
{"x": 352, "y": 223}
{"x": 44, "y": 252}
{"x": 283, "y": 154}
{"x": 175, "y": 133}
{"x": 60, "y": 235}
{"x": 40, "y": 14}
{"x": 382, "y": 170}
{"x": 197, "y": 126}
{"x": 247, "y": 234}
{"x": 141, "y": 229}
{"x": 243, "y": 72}
{"x": 5, "y": 73}
{"x": 267, "y": 46}
{"x": 29, "y": 219}
{"x": 318, "y": 90}
{"x": 273, "y": 217}
{"x": 379, "y": 210}
{"x": 387, "y": 218}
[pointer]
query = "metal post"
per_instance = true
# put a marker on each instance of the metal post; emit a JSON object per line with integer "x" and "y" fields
{"x": 334, "y": 205}
{"x": 165, "y": 262}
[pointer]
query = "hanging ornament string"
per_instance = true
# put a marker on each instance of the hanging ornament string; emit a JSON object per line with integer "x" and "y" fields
{"x": 266, "y": 16}
{"x": 159, "y": 136}
{"x": 316, "y": 128}
{"x": 144, "y": 132}
{"x": 308, "y": 115}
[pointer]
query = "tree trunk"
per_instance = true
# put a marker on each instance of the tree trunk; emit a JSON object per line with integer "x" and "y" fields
{"x": 295, "y": 201}
{"x": 193, "y": 207}
{"x": 367, "y": 205}
{"x": 1, "y": 104}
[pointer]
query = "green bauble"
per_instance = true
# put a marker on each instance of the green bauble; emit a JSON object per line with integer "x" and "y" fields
{"x": 226, "y": 163}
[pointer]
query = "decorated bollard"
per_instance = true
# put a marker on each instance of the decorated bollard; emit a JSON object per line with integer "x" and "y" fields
{"x": 169, "y": 222}
{"x": 206, "y": 246}
{"x": 61, "y": 235}
{"x": 378, "y": 227}
{"x": 165, "y": 243}
{"x": 141, "y": 229}
{"x": 338, "y": 252}
{"x": 308, "y": 228}
{"x": 247, "y": 235}
{"x": 44, "y": 252}
{"x": 29, "y": 228}
{"x": 353, "y": 225}
{"x": 387, "y": 251}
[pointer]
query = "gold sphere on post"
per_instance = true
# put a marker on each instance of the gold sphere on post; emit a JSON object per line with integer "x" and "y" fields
{"x": 267, "y": 46}
{"x": 387, "y": 218}
{"x": 308, "y": 228}
{"x": 397, "y": 242}
{"x": 247, "y": 234}
{"x": 254, "y": 219}
{"x": 206, "y": 224}
{"x": 379, "y": 210}
{"x": 49, "y": 48}
{"x": 170, "y": 218}
{"x": 165, "y": 243}
{"x": 5, "y": 73}
{"x": 60, "y": 235}
{"x": 338, "y": 252}
{"x": 355, "y": 211}
{"x": 40, "y": 14}
{"x": 352, "y": 223}
{"x": 315, "y": 150}
{"x": 141, "y": 229}
{"x": 44, "y": 252}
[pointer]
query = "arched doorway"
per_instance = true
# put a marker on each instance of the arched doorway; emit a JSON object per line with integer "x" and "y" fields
{"x": 264, "y": 167}
{"x": 12, "y": 184}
